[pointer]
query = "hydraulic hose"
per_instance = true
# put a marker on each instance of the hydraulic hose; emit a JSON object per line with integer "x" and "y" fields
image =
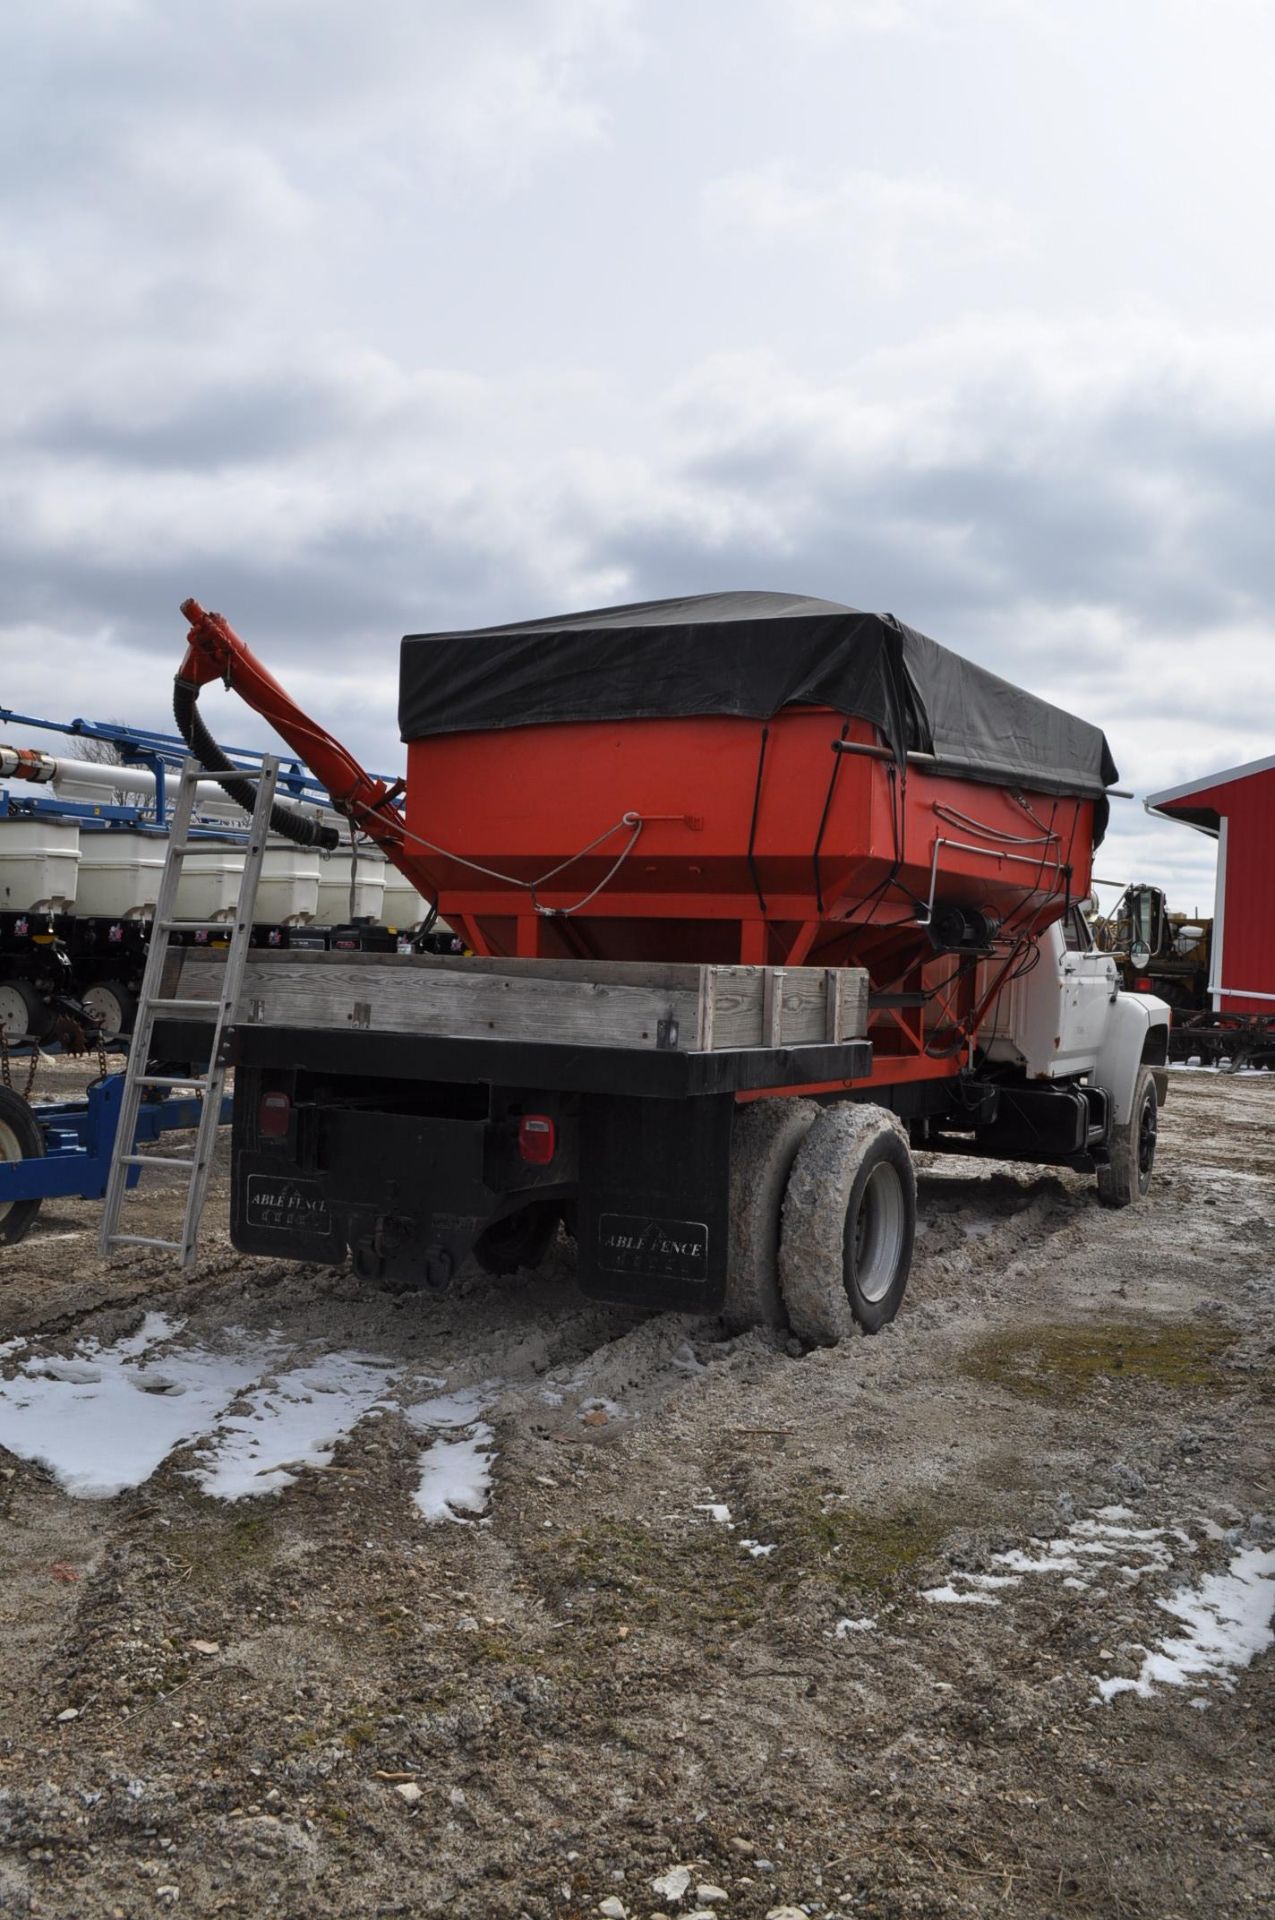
{"x": 283, "y": 820}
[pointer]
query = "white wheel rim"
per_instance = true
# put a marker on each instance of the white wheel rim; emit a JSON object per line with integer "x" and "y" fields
{"x": 101, "y": 1001}
{"x": 880, "y": 1225}
{"x": 10, "y": 1149}
{"x": 13, "y": 1013}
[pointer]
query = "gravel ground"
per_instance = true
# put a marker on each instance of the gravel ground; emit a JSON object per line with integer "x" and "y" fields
{"x": 839, "y": 1632}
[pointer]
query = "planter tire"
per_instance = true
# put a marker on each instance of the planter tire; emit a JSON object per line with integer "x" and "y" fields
{"x": 114, "y": 1005}
{"x": 20, "y": 1139}
{"x": 23, "y": 1010}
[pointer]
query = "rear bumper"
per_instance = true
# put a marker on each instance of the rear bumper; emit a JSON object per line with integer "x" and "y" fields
{"x": 401, "y": 1150}
{"x": 635, "y": 1072}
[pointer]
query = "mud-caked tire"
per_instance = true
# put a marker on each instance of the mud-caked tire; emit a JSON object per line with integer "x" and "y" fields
{"x": 849, "y": 1221}
{"x": 20, "y": 1139}
{"x": 764, "y": 1144}
{"x": 1127, "y": 1175}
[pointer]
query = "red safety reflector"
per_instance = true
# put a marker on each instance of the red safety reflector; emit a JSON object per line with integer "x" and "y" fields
{"x": 273, "y": 1114}
{"x": 537, "y": 1139}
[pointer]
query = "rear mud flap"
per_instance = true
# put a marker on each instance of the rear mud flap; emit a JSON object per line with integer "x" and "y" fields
{"x": 654, "y": 1201}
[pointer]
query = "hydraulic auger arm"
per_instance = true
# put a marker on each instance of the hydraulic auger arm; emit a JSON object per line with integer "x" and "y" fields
{"x": 214, "y": 651}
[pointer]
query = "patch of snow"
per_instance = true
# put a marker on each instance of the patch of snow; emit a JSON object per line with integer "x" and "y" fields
{"x": 949, "y": 1596}
{"x": 1103, "y": 1537}
{"x": 106, "y": 1419}
{"x": 1196, "y": 1065}
{"x": 455, "y": 1473}
{"x": 456, "y": 1476}
{"x": 292, "y": 1420}
{"x": 1051, "y": 1562}
{"x": 757, "y": 1550}
{"x": 716, "y": 1510}
{"x": 844, "y": 1628}
{"x": 155, "y": 1329}
{"x": 1109, "y": 1530}
{"x": 1228, "y": 1620}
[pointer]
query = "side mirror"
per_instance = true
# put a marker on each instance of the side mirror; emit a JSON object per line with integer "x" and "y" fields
{"x": 1139, "y": 953}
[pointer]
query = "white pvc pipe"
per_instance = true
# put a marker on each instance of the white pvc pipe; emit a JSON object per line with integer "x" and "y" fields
{"x": 87, "y": 779}
{"x": 75, "y": 778}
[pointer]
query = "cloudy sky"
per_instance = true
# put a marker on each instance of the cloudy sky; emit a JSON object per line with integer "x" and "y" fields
{"x": 352, "y": 320}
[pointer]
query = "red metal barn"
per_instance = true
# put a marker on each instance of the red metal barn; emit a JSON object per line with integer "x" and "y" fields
{"x": 1238, "y": 806}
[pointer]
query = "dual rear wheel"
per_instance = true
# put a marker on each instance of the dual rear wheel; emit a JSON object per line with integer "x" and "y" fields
{"x": 823, "y": 1217}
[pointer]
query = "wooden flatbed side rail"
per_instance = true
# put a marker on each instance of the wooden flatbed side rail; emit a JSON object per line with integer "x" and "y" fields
{"x": 574, "y": 1002}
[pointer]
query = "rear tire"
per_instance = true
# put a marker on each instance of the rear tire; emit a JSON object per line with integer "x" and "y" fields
{"x": 763, "y": 1146}
{"x": 849, "y": 1220}
{"x": 1127, "y": 1175}
{"x": 20, "y": 1139}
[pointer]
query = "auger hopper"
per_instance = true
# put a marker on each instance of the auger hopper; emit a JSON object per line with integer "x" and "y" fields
{"x": 750, "y": 777}
{"x": 747, "y": 777}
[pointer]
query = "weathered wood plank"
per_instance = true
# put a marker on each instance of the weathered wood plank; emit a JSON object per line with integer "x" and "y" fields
{"x": 845, "y": 1003}
{"x": 463, "y": 1006}
{"x": 582, "y": 1003}
{"x": 632, "y": 973}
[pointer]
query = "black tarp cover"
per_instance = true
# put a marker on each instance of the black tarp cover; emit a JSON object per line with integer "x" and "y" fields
{"x": 749, "y": 654}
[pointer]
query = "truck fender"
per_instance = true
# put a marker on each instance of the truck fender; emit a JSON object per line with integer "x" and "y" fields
{"x": 1132, "y": 1021}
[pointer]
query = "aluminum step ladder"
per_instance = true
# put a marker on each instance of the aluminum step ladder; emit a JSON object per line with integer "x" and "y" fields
{"x": 218, "y": 1015}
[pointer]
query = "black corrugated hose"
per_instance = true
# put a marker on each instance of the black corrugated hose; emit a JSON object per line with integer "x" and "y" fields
{"x": 294, "y": 826}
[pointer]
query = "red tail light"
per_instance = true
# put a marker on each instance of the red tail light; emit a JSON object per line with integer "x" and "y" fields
{"x": 273, "y": 1115}
{"x": 1143, "y": 983}
{"x": 537, "y": 1139}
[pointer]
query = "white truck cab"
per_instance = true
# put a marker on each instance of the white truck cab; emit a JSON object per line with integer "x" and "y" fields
{"x": 1067, "y": 1019}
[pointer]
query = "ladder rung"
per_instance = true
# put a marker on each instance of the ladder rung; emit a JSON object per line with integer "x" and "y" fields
{"x": 209, "y": 845}
{"x": 142, "y": 1240}
{"x": 182, "y": 1006}
{"x": 171, "y": 1080}
{"x": 156, "y": 1160}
